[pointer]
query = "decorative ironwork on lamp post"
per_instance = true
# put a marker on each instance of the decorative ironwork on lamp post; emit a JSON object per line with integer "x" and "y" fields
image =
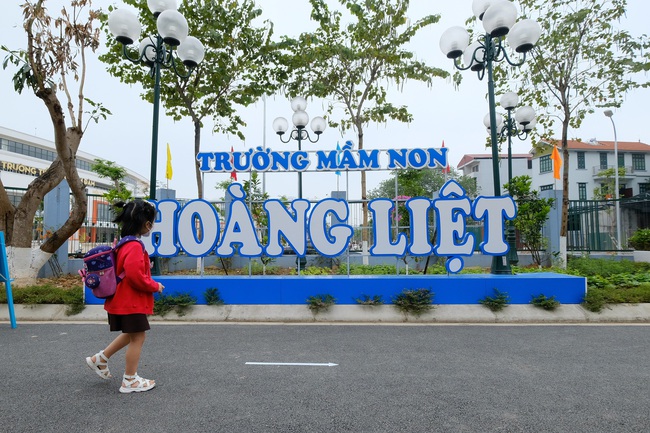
{"x": 157, "y": 52}
{"x": 519, "y": 126}
{"x": 300, "y": 119}
{"x": 498, "y": 17}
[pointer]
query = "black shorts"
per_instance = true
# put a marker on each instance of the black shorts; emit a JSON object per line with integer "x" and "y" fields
{"x": 128, "y": 323}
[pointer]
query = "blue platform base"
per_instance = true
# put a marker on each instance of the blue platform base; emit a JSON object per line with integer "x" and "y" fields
{"x": 294, "y": 290}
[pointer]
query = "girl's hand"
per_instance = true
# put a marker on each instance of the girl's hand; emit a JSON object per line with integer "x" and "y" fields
{"x": 160, "y": 288}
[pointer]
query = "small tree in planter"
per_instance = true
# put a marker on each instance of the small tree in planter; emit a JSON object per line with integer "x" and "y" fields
{"x": 640, "y": 241}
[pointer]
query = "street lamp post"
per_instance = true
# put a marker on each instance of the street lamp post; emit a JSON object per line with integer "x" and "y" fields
{"x": 498, "y": 17}
{"x": 610, "y": 114}
{"x": 157, "y": 52}
{"x": 519, "y": 126}
{"x": 300, "y": 119}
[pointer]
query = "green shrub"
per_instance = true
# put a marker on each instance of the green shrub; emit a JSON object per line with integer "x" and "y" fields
{"x": 180, "y": 303}
{"x": 47, "y": 294}
{"x": 320, "y": 303}
{"x": 213, "y": 297}
{"x": 548, "y": 304}
{"x": 640, "y": 240}
{"x": 414, "y": 301}
{"x": 594, "y": 300}
{"x": 586, "y": 267}
{"x": 496, "y": 303}
{"x": 370, "y": 301}
{"x": 356, "y": 269}
{"x": 312, "y": 270}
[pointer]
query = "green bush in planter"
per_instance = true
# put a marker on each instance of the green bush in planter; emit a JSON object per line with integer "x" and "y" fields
{"x": 640, "y": 240}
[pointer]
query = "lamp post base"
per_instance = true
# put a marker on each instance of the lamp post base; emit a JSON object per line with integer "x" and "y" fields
{"x": 500, "y": 266}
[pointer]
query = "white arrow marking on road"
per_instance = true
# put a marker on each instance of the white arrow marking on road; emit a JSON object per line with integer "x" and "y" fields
{"x": 301, "y": 364}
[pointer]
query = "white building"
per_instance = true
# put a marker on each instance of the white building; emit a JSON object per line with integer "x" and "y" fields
{"x": 588, "y": 161}
{"x": 24, "y": 157}
{"x": 479, "y": 167}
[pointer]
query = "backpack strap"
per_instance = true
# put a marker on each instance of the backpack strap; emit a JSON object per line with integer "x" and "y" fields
{"x": 124, "y": 240}
{"x": 127, "y": 239}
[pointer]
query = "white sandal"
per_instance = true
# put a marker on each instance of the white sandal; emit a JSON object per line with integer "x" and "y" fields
{"x": 135, "y": 383}
{"x": 100, "y": 361}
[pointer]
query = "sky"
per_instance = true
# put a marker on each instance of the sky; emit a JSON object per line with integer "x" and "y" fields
{"x": 440, "y": 112}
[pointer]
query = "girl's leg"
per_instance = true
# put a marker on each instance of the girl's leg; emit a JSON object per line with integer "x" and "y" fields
{"x": 136, "y": 340}
{"x": 101, "y": 364}
{"x": 117, "y": 344}
{"x": 131, "y": 382}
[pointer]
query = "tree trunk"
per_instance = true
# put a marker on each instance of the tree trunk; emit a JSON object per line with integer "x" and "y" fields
{"x": 565, "y": 178}
{"x": 25, "y": 260}
{"x": 365, "y": 235}
{"x": 197, "y": 166}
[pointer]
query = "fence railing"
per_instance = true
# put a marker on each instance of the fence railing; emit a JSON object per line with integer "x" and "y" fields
{"x": 591, "y": 224}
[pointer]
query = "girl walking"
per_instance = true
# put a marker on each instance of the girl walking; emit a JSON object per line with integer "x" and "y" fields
{"x": 133, "y": 299}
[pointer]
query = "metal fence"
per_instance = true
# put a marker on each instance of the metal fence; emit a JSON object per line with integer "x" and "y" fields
{"x": 98, "y": 227}
{"x": 592, "y": 223}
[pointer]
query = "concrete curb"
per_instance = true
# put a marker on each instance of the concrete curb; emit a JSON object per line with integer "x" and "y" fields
{"x": 620, "y": 313}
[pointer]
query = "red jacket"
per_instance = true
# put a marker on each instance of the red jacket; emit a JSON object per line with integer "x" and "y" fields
{"x": 134, "y": 294}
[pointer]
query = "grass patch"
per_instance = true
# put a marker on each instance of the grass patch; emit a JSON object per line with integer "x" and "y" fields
{"x": 497, "y": 302}
{"x": 548, "y": 304}
{"x": 414, "y": 301}
{"x": 47, "y": 294}
{"x": 180, "y": 303}
{"x": 213, "y": 297}
{"x": 370, "y": 301}
{"x": 320, "y": 303}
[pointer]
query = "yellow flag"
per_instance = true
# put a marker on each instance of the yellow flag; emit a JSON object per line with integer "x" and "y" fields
{"x": 169, "y": 172}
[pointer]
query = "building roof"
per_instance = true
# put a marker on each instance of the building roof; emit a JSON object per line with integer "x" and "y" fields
{"x": 600, "y": 146}
{"x": 468, "y": 158}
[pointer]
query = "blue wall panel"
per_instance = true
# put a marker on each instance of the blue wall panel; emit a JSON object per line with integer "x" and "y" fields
{"x": 453, "y": 289}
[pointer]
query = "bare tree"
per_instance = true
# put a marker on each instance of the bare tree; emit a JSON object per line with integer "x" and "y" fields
{"x": 52, "y": 64}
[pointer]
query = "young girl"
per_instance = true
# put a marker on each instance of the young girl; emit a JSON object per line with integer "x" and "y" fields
{"x": 133, "y": 299}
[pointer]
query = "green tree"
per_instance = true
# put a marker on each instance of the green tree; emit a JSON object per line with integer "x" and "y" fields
{"x": 582, "y": 61}
{"x": 532, "y": 213}
{"x": 108, "y": 170}
{"x": 53, "y": 67}
{"x": 416, "y": 183}
{"x": 238, "y": 68}
{"x": 352, "y": 64}
{"x": 424, "y": 183}
{"x": 607, "y": 188}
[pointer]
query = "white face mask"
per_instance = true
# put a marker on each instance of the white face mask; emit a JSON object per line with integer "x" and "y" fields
{"x": 147, "y": 233}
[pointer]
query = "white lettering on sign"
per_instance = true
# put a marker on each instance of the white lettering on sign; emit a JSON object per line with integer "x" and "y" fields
{"x": 195, "y": 227}
{"x": 267, "y": 160}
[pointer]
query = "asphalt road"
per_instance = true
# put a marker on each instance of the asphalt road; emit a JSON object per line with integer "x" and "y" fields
{"x": 388, "y": 379}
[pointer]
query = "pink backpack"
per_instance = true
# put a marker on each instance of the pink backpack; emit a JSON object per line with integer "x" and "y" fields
{"x": 98, "y": 273}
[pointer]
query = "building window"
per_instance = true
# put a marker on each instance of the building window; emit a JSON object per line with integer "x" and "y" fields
{"x": 603, "y": 161}
{"x": 475, "y": 169}
{"x": 545, "y": 164}
{"x": 638, "y": 161}
{"x": 582, "y": 191}
{"x": 26, "y": 149}
{"x": 546, "y": 187}
{"x": 644, "y": 187}
{"x": 621, "y": 160}
{"x": 530, "y": 164}
{"x": 581, "y": 160}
